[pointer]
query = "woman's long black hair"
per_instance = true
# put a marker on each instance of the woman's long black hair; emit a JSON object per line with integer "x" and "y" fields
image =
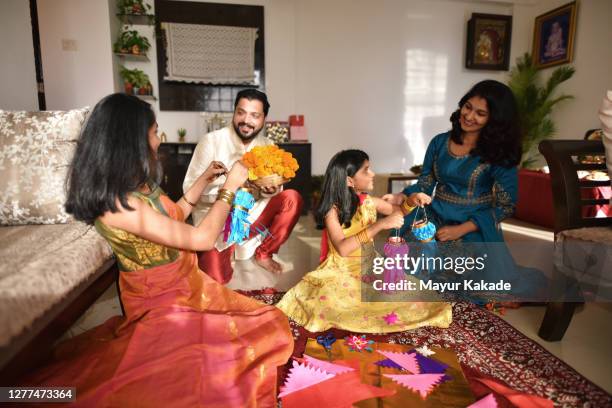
{"x": 335, "y": 191}
{"x": 499, "y": 141}
{"x": 112, "y": 157}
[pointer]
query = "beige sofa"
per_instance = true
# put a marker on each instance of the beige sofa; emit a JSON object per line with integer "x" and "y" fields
{"x": 51, "y": 267}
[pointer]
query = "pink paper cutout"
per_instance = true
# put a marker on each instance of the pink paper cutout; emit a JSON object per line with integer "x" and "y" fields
{"x": 301, "y": 376}
{"x": 407, "y": 361}
{"x": 487, "y": 402}
{"x": 326, "y": 366}
{"x": 424, "y": 384}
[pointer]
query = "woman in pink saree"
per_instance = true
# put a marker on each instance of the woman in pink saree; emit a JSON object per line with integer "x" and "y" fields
{"x": 185, "y": 340}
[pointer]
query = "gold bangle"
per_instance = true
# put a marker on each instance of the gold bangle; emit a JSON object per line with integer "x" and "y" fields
{"x": 406, "y": 208}
{"x": 188, "y": 202}
{"x": 226, "y": 196}
{"x": 226, "y": 192}
{"x": 225, "y": 200}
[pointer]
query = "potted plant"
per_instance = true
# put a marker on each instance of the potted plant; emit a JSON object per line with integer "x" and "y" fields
{"x": 182, "y": 132}
{"x": 535, "y": 103}
{"x": 131, "y": 42}
{"x": 142, "y": 82}
{"x": 132, "y": 7}
{"x": 135, "y": 81}
{"x": 129, "y": 79}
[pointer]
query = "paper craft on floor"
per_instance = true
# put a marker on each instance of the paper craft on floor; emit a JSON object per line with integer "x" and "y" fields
{"x": 423, "y": 384}
{"x": 405, "y": 360}
{"x": 301, "y": 376}
{"x": 325, "y": 366}
{"x": 487, "y": 402}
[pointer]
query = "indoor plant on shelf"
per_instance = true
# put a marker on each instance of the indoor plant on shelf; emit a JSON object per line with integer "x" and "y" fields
{"x": 136, "y": 81}
{"x": 535, "y": 103}
{"x": 137, "y": 7}
{"x": 131, "y": 42}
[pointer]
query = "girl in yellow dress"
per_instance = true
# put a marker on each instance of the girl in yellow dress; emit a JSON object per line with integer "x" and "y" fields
{"x": 330, "y": 296}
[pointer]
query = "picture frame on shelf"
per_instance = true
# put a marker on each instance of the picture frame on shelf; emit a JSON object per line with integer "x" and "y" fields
{"x": 553, "y": 36}
{"x": 488, "y": 42}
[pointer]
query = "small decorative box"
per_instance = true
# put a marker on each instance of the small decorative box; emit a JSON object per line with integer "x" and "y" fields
{"x": 296, "y": 120}
{"x": 298, "y": 134}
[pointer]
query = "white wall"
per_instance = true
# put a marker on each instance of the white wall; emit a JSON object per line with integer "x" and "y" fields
{"x": 17, "y": 70}
{"x": 379, "y": 76}
{"x": 83, "y": 76}
{"x": 593, "y": 63}
{"x": 382, "y": 76}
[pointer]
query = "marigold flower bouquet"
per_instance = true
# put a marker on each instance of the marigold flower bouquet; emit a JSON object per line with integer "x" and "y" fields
{"x": 270, "y": 166}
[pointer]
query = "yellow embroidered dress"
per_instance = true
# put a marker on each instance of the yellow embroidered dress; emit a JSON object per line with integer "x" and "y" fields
{"x": 330, "y": 296}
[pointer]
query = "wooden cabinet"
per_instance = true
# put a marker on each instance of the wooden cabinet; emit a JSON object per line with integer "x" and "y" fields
{"x": 302, "y": 182}
{"x": 175, "y": 159}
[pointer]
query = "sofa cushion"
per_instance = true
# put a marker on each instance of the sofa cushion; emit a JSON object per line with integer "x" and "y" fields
{"x": 40, "y": 266}
{"x": 35, "y": 152}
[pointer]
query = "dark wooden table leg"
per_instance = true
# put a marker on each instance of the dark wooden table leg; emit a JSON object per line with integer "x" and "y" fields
{"x": 556, "y": 320}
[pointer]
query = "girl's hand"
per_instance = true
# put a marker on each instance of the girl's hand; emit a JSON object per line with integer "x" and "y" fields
{"x": 418, "y": 200}
{"x": 214, "y": 170}
{"x": 393, "y": 221}
{"x": 450, "y": 233}
{"x": 236, "y": 177}
{"x": 394, "y": 199}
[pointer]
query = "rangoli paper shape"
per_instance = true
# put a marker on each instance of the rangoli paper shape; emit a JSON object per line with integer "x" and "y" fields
{"x": 301, "y": 376}
{"x": 487, "y": 402}
{"x": 388, "y": 363}
{"x": 426, "y": 351}
{"x": 407, "y": 361}
{"x": 424, "y": 384}
{"x": 325, "y": 366}
{"x": 429, "y": 365}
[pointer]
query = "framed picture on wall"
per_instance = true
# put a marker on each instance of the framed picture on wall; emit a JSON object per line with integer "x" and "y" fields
{"x": 553, "y": 36}
{"x": 488, "y": 42}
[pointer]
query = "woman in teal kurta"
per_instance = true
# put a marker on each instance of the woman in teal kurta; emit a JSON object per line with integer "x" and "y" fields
{"x": 471, "y": 173}
{"x": 466, "y": 190}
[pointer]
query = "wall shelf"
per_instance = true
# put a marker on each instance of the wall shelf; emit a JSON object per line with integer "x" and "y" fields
{"x": 146, "y": 98}
{"x": 133, "y": 57}
{"x": 137, "y": 19}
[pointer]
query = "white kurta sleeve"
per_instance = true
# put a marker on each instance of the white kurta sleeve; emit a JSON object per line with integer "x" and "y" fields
{"x": 203, "y": 155}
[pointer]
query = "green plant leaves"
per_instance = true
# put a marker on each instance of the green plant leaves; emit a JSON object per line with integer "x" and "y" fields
{"x": 535, "y": 103}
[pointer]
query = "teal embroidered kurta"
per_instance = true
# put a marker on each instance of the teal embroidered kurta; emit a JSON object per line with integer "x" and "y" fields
{"x": 465, "y": 189}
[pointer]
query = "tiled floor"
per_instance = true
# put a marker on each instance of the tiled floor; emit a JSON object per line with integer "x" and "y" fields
{"x": 586, "y": 345}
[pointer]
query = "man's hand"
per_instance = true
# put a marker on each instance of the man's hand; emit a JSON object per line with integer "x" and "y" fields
{"x": 269, "y": 190}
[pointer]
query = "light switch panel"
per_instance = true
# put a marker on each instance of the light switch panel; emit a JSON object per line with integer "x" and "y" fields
{"x": 69, "y": 44}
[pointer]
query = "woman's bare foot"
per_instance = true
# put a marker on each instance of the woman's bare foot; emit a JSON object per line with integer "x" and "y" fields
{"x": 269, "y": 265}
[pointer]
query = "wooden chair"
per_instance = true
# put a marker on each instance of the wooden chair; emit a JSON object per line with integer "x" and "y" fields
{"x": 562, "y": 157}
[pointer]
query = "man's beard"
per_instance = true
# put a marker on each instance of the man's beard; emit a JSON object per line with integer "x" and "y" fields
{"x": 245, "y": 137}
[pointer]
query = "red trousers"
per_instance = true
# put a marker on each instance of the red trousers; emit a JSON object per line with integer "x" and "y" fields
{"x": 278, "y": 218}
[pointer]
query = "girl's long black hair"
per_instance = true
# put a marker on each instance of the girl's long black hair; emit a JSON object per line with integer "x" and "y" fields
{"x": 112, "y": 157}
{"x": 335, "y": 191}
{"x": 499, "y": 141}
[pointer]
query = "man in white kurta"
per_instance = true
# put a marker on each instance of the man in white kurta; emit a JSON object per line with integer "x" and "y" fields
{"x": 274, "y": 214}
